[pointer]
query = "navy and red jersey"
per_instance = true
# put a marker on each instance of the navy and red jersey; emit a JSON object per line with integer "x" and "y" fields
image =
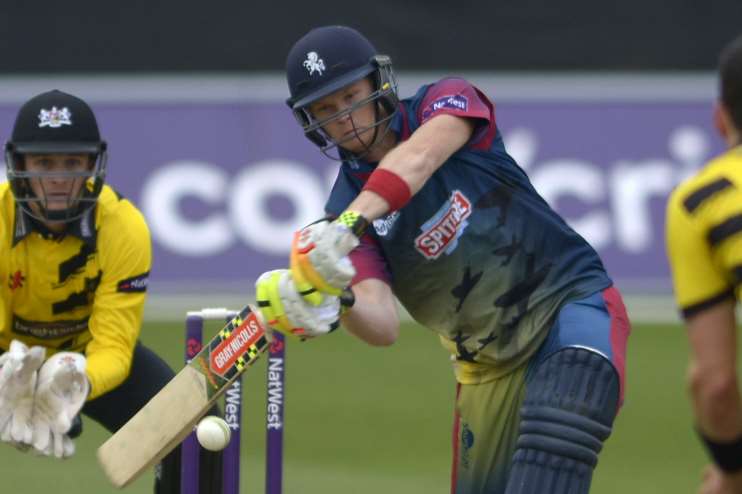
{"x": 476, "y": 255}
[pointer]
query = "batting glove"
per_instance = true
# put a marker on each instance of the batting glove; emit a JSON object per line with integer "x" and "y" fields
{"x": 319, "y": 256}
{"x": 285, "y": 310}
{"x": 18, "y": 376}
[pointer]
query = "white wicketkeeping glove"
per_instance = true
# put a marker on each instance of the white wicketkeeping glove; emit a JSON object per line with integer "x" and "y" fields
{"x": 60, "y": 394}
{"x": 17, "y": 384}
{"x": 59, "y": 445}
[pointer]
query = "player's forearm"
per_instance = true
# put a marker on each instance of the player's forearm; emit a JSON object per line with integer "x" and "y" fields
{"x": 712, "y": 376}
{"x": 413, "y": 167}
{"x": 374, "y": 317}
{"x": 106, "y": 370}
{"x": 415, "y": 160}
{"x": 114, "y": 327}
{"x": 372, "y": 327}
{"x": 716, "y": 402}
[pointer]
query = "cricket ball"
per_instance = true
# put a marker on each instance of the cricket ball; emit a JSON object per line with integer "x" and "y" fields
{"x": 213, "y": 433}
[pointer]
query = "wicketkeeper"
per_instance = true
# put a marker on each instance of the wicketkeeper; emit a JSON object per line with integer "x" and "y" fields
{"x": 74, "y": 263}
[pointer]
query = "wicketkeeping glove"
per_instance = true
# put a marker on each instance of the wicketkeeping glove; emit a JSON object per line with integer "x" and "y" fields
{"x": 18, "y": 375}
{"x": 60, "y": 394}
{"x": 59, "y": 445}
{"x": 285, "y": 310}
{"x": 319, "y": 255}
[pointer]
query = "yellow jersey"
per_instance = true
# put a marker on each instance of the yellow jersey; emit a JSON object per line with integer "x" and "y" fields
{"x": 83, "y": 291}
{"x": 704, "y": 234}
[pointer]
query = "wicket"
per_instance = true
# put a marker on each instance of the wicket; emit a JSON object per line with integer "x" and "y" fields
{"x": 274, "y": 424}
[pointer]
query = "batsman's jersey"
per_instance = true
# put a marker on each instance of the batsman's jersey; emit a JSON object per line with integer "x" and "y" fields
{"x": 83, "y": 291}
{"x": 476, "y": 255}
{"x": 704, "y": 234}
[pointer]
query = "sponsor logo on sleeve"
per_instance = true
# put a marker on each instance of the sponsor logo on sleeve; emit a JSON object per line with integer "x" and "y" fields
{"x": 440, "y": 233}
{"x": 136, "y": 283}
{"x": 457, "y": 102}
{"x": 384, "y": 225}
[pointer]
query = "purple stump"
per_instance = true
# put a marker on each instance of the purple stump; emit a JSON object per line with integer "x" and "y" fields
{"x": 190, "y": 446}
{"x": 274, "y": 415}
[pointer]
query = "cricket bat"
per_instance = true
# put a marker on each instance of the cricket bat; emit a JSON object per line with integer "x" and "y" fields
{"x": 166, "y": 420}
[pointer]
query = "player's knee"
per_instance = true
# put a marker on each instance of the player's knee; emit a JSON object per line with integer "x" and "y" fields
{"x": 570, "y": 403}
{"x": 576, "y": 381}
{"x": 567, "y": 413}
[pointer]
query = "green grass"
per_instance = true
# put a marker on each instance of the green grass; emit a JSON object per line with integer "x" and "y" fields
{"x": 368, "y": 420}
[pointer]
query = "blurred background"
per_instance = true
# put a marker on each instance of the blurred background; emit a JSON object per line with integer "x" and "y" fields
{"x": 607, "y": 106}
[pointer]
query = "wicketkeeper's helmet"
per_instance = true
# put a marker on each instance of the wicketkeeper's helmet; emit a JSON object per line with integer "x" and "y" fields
{"x": 327, "y": 59}
{"x": 55, "y": 123}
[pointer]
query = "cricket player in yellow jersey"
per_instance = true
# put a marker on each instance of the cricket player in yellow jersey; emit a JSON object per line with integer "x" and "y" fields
{"x": 74, "y": 264}
{"x": 704, "y": 241}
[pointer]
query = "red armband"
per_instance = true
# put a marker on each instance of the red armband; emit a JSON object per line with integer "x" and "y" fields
{"x": 390, "y": 186}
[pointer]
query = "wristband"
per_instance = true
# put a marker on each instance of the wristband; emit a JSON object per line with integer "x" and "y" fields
{"x": 390, "y": 186}
{"x": 355, "y": 222}
{"x": 727, "y": 454}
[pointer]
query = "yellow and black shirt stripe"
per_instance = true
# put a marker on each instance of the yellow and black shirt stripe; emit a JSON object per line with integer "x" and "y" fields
{"x": 704, "y": 235}
{"x": 82, "y": 291}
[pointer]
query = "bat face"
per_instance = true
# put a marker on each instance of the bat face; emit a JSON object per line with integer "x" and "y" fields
{"x": 171, "y": 414}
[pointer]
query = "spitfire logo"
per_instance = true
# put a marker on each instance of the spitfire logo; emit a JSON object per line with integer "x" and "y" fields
{"x": 314, "y": 63}
{"x": 441, "y": 232}
{"x": 54, "y": 118}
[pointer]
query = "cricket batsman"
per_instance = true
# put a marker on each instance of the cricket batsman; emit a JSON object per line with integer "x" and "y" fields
{"x": 75, "y": 258}
{"x": 428, "y": 209}
{"x": 704, "y": 242}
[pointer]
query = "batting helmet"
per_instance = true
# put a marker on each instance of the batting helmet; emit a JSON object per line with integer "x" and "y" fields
{"x": 55, "y": 123}
{"x": 327, "y": 59}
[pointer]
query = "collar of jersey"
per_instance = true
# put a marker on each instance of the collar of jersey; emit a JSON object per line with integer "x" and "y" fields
{"x": 82, "y": 228}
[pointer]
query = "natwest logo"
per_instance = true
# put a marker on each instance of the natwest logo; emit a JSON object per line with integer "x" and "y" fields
{"x": 226, "y": 354}
{"x": 441, "y": 232}
{"x": 454, "y": 102}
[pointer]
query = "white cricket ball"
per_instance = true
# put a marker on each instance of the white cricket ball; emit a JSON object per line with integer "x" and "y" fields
{"x": 213, "y": 433}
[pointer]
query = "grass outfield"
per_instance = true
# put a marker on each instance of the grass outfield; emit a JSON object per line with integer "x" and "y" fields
{"x": 368, "y": 420}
